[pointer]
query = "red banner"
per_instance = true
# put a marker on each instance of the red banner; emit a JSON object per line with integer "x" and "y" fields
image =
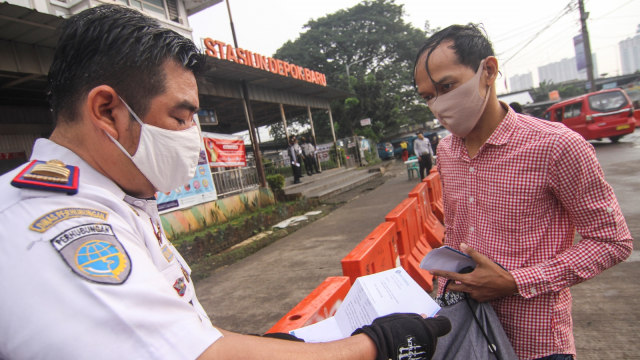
{"x": 19, "y": 155}
{"x": 224, "y": 151}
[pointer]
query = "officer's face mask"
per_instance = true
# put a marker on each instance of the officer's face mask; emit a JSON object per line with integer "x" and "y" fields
{"x": 167, "y": 158}
{"x": 460, "y": 109}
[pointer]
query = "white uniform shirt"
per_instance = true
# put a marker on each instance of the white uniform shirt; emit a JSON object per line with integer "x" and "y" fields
{"x": 86, "y": 277}
{"x": 308, "y": 149}
{"x": 422, "y": 146}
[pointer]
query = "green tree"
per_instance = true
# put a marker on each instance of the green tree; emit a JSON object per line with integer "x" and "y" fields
{"x": 378, "y": 47}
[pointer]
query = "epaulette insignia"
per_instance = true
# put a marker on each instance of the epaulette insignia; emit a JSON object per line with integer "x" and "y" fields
{"x": 52, "y": 175}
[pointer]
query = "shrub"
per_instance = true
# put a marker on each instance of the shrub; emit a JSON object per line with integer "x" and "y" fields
{"x": 276, "y": 182}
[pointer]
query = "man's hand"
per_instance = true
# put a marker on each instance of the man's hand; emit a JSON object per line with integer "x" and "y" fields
{"x": 405, "y": 336}
{"x": 488, "y": 281}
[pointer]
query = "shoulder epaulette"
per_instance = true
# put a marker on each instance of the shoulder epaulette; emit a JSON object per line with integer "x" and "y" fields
{"x": 52, "y": 175}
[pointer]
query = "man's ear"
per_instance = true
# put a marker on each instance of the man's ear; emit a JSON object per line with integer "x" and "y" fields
{"x": 105, "y": 109}
{"x": 491, "y": 64}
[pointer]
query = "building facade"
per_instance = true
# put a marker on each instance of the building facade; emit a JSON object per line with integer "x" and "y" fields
{"x": 630, "y": 53}
{"x": 521, "y": 82}
{"x": 564, "y": 70}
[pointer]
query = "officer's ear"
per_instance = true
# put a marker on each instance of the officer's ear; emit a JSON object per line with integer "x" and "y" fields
{"x": 106, "y": 110}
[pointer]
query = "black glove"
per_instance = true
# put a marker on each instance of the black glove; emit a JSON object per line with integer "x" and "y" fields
{"x": 282, "y": 336}
{"x": 406, "y": 336}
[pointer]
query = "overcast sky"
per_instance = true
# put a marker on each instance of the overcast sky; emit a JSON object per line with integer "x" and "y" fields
{"x": 263, "y": 26}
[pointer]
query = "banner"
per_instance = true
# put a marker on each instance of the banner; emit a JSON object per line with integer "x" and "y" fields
{"x": 224, "y": 150}
{"x": 581, "y": 60}
{"x": 198, "y": 190}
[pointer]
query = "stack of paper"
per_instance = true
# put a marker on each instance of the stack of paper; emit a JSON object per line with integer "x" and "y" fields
{"x": 372, "y": 296}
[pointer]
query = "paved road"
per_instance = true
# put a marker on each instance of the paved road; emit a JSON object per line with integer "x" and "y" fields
{"x": 606, "y": 309}
{"x": 251, "y": 295}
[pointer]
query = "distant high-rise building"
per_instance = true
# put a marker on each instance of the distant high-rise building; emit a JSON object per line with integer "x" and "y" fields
{"x": 630, "y": 53}
{"x": 564, "y": 70}
{"x": 521, "y": 82}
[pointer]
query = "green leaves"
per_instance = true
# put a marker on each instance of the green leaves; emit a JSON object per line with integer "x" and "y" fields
{"x": 372, "y": 42}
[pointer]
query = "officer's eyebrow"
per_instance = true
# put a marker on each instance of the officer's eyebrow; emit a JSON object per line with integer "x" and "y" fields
{"x": 186, "y": 105}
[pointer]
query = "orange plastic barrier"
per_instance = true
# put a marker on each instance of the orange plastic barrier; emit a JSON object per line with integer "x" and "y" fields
{"x": 320, "y": 304}
{"x": 432, "y": 228}
{"x": 410, "y": 247}
{"x": 377, "y": 252}
{"x": 435, "y": 194}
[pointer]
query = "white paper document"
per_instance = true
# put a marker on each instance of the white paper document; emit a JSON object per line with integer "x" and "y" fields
{"x": 372, "y": 296}
{"x": 447, "y": 259}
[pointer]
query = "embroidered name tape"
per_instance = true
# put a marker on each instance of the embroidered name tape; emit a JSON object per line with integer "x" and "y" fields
{"x": 94, "y": 253}
{"x": 48, "y": 220}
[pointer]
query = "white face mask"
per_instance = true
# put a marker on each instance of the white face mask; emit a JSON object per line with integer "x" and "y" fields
{"x": 460, "y": 109}
{"x": 167, "y": 158}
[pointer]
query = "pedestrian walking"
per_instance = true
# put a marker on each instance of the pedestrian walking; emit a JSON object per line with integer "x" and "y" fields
{"x": 424, "y": 153}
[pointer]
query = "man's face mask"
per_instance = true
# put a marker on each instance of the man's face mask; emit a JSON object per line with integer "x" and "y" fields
{"x": 167, "y": 158}
{"x": 460, "y": 109}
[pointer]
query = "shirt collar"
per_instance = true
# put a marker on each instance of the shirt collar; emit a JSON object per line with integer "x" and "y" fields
{"x": 500, "y": 135}
{"x": 504, "y": 131}
{"x": 45, "y": 149}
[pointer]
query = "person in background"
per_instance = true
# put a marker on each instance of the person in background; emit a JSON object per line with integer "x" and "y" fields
{"x": 307, "y": 154}
{"x": 295, "y": 158}
{"x": 516, "y": 107}
{"x": 309, "y": 151}
{"x": 424, "y": 153}
{"x": 82, "y": 246}
{"x": 316, "y": 161}
{"x": 515, "y": 191}
{"x": 405, "y": 152}
{"x": 434, "y": 139}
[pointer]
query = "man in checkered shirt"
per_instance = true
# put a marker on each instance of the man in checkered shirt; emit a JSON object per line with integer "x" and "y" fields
{"x": 516, "y": 189}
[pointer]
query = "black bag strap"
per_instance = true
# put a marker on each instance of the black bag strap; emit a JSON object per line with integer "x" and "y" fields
{"x": 493, "y": 348}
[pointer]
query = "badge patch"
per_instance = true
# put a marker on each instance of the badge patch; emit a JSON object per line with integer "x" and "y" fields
{"x": 166, "y": 251}
{"x": 180, "y": 286}
{"x": 46, "y": 221}
{"x": 93, "y": 252}
{"x": 52, "y": 175}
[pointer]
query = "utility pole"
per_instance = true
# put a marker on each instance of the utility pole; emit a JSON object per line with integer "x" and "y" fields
{"x": 587, "y": 45}
{"x": 248, "y": 112}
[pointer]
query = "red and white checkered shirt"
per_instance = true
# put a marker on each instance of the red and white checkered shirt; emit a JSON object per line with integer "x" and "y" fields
{"x": 519, "y": 201}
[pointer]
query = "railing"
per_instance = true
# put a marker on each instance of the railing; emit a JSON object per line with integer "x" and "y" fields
{"x": 229, "y": 182}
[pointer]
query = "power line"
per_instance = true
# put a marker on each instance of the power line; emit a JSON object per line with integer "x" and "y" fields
{"x": 571, "y": 6}
{"x": 616, "y": 9}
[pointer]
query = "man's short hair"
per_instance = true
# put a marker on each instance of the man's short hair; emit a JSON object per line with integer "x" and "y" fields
{"x": 116, "y": 46}
{"x": 470, "y": 45}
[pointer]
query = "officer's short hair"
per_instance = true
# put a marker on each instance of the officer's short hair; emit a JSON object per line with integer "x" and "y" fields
{"x": 116, "y": 46}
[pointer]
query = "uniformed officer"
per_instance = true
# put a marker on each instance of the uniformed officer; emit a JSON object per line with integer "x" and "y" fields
{"x": 87, "y": 270}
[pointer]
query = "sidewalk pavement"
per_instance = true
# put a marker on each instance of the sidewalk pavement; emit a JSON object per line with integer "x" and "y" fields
{"x": 253, "y": 294}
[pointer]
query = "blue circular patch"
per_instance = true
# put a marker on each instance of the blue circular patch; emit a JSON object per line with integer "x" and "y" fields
{"x": 100, "y": 258}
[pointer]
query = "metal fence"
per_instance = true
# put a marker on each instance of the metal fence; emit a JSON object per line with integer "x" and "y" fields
{"x": 237, "y": 180}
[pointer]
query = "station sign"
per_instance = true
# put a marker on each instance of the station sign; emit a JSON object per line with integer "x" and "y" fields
{"x": 221, "y": 50}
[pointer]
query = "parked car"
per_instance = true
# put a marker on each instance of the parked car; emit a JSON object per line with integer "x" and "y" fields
{"x": 385, "y": 150}
{"x": 602, "y": 114}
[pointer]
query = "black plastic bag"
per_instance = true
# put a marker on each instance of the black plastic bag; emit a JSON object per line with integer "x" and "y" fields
{"x": 476, "y": 332}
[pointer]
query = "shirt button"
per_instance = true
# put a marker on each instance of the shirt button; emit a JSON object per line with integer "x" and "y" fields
{"x": 609, "y": 209}
{"x": 471, "y": 169}
{"x": 471, "y": 228}
{"x": 534, "y": 291}
{"x": 471, "y": 199}
{"x": 138, "y": 203}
